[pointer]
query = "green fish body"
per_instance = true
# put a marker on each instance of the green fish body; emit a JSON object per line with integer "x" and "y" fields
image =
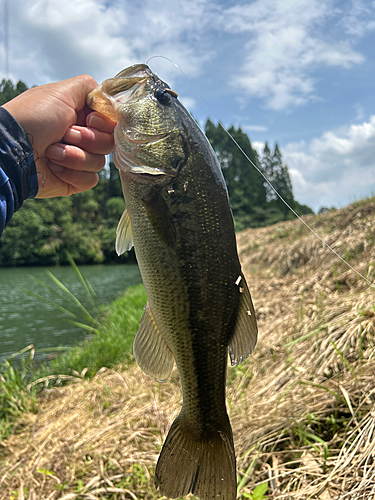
{"x": 179, "y": 220}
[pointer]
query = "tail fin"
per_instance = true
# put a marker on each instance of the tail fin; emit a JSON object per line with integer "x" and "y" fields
{"x": 205, "y": 468}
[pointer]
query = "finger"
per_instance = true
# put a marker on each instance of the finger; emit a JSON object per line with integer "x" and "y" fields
{"x": 75, "y": 158}
{"x": 89, "y": 139}
{"x": 100, "y": 122}
{"x": 83, "y": 114}
{"x": 80, "y": 86}
{"x": 75, "y": 181}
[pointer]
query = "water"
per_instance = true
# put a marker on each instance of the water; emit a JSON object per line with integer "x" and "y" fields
{"x": 26, "y": 320}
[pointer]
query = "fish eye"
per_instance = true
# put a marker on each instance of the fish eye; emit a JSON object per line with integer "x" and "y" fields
{"x": 163, "y": 97}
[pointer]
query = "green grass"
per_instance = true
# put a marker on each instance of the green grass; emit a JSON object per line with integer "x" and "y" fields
{"x": 111, "y": 344}
{"x": 112, "y": 329}
{"x": 14, "y": 400}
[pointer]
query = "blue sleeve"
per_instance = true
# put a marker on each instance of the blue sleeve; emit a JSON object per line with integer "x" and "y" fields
{"x": 18, "y": 177}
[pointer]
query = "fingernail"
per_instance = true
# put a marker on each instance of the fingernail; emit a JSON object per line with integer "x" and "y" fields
{"x": 55, "y": 153}
{"x": 75, "y": 135}
{"x": 96, "y": 121}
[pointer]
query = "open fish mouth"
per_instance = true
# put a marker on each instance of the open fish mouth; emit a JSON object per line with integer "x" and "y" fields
{"x": 123, "y": 88}
{"x": 99, "y": 100}
{"x": 126, "y": 86}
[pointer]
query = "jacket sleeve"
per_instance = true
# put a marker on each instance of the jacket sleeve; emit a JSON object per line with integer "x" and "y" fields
{"x": 18, "y": 177}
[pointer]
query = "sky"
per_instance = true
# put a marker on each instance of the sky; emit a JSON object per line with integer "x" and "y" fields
{"x": 297, "y": 72}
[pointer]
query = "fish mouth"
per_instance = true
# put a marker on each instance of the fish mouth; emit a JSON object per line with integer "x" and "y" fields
{"x": 99, "y": 101}
{"x": 112, "y": 97}
{"x": 127, "y": 85}
{"x": 124, "y": 87}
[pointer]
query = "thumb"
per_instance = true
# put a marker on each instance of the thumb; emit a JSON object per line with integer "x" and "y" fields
{"x": 77, "y": 89}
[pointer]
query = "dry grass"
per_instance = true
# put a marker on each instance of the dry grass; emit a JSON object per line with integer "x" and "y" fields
{"x": 302, "y": 408}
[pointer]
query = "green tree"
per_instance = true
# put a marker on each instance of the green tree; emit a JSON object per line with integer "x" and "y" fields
{"x": 254, "y": 202}
{"x": 282, "y": 182}
{"x": 266, "y": 165}
{"x": 245, "y": 184}
{"x": 8, "y": 91}
{"x": 277, "y": 173}
{"x": 84, "y": 224}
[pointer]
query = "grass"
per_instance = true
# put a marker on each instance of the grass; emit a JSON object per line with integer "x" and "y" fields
{"x": 302, "y": 407}
{"x": 111, "y": 345}
{"x": 112, "y": 328}
{"x": 14, "y": 400}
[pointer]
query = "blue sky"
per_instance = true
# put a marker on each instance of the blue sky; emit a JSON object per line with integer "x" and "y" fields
{"x": 299, "y": 72}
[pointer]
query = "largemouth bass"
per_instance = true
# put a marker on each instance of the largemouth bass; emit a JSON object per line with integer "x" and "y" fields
{"x": 199, "y": 308}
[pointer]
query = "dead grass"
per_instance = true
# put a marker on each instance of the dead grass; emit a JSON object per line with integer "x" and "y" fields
{"x": 302, "y": 408}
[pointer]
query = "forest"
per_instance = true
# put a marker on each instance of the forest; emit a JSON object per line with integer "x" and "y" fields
{"x": 43, "y": 231}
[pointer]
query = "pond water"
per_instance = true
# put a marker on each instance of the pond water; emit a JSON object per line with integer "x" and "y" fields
{"x": 26, "y": 320}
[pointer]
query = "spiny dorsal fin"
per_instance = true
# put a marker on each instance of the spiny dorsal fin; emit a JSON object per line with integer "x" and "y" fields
{"x": 150, "y": 349}
{"x": 246, "y": 331}
{"x": 124, "y": 238}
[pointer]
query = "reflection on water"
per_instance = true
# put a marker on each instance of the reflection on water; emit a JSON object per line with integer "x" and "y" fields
{"x": 25, "y": 320}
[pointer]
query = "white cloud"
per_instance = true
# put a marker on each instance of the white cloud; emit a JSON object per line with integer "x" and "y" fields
{"x": 284, "y": 41}
{"x": 188, "y": 102}
{"x": 258, "y": 146}
{"x": 50, "y": 39}
{"x": 285, "y": 44}
{"x": 359, "y": 18}
{"x": 254, "y": 128}
{"x": 334, "y": 168}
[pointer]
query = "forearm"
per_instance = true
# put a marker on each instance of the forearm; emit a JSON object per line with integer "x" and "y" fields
{"x": 18, "y": 178}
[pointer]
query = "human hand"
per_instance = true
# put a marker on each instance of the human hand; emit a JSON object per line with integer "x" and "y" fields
{"x": 69, "y": 140}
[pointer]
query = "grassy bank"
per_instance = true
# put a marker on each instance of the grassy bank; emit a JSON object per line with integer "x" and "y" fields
{"x": 302, "y": 407}
{"x": 111, "y": 345}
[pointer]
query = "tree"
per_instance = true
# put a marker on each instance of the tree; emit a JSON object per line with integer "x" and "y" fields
{"x": 244, "y": 182}
{"x": 8, "y": 91}
{"x": 282, "y": 182}
{"x": 266, "y": 165}
{"x": 254, "y": 202}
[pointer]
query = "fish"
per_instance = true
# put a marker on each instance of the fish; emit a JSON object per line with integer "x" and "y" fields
{"x": 179, "y": 219}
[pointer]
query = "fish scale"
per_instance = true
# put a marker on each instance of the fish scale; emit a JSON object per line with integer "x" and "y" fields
{"x": 179, "y": 220}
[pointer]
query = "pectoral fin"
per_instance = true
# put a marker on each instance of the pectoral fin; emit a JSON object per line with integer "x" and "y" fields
{"x": 246, "y": 331}
{"x": 160, "y": 218}
{"x": 124, "y": 238}
{"x": 150, "y": 349}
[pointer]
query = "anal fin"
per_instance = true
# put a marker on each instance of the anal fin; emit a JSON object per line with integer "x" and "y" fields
{"x": 246, "y": 331}
{"x": 150, "y": 349}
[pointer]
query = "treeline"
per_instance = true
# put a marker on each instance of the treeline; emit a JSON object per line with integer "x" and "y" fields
{"x": 42, "y": 231}
{"x": 8, "y": 91}
{"x": 254, "y": 202}
{"x": 85, "y": 224}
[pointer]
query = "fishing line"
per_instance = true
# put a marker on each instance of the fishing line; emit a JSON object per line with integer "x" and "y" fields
{"x": 263, "y": 175}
